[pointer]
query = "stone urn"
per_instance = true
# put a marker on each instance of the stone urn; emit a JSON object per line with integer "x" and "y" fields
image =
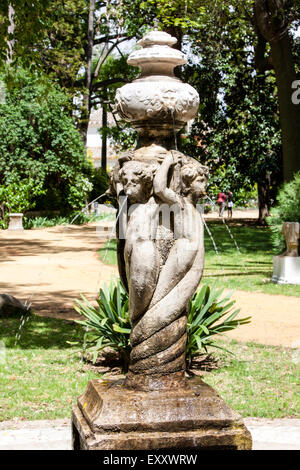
{"x": 157, "y": 104}
{"x": 16, "y": 221}
{"x": 287, "y": 265}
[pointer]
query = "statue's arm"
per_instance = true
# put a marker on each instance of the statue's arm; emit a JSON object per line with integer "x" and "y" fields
{"x": 160, "y": 182}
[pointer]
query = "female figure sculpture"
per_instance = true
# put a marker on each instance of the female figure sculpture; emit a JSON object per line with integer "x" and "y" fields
{"x": 161, "y": 258}
{"x": 161, "y": 274}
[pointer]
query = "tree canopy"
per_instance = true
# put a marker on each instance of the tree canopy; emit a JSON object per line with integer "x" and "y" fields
{"x": 39, "y": 143}
{"x": 243, "y": 60}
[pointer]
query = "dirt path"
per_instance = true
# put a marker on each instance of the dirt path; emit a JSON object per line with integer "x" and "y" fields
{"x": 52, "y": 267}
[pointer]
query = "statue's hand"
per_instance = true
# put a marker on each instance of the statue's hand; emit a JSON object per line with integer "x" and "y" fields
{"x": 160, "y": 157}
{"x": 177, "y": 157}
{"x": 167, "y": 159}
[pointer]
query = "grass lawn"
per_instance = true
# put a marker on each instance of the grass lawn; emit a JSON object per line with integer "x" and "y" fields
{"x": 247, "y": 266}
{"x": 42, "y": 376}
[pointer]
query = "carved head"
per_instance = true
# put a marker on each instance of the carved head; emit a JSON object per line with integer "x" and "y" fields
{"x": 194, "y": 177}
{"x": 137, "y": 180}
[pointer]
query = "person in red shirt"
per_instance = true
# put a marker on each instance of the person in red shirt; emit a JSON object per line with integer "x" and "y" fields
{"x": 221, "y": 202}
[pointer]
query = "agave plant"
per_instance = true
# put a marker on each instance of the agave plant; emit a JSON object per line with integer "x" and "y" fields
{"x": 206, "y": 319}
{"x": 107, "y": 324}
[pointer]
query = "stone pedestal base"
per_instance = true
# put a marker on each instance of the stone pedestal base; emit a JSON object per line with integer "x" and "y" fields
{"x": 111, "y": 417}
{"x": 286, "y": 270}
{"x": 15, "y": 222}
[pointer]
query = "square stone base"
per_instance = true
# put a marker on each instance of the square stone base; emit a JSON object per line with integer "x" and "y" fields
{"x": 286, "y": 270}
{"x": 110, "y": 417}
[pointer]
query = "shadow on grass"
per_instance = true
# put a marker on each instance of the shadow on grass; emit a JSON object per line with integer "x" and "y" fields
{"x": 39, "y": 333}
{"x": 236, "y": 274}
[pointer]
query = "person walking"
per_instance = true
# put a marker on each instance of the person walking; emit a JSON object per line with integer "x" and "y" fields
{"x": 221, "y": 201}
{"x": 229, "y": 204}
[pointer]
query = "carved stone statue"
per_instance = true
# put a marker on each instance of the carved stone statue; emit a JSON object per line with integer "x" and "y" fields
{"x": 163, "y": 257}
{"x": 291, "y": 232}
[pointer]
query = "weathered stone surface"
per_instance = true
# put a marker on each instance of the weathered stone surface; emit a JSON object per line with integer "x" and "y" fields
{"x": 11, "y": 306}
{"x": 291, "y": 232}
{"x": 109, "y": 416}
{"x": 286, "y": 270}
{"x": 15, "y": 222}
{"x": 157, "y": 102}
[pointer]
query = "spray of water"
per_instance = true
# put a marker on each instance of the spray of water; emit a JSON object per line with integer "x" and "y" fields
{"x": 214, "y": 245}
{"x": 86, "y": 207}
{"x": 232, "y": 237}
{"x": 24, "y": 318}
{"x": 112, "y": 231}
{"x": 227, "y": 227}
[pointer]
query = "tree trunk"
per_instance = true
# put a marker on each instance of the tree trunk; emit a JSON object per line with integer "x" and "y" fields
{"x": 263, "y": 190}
{"x": 10, "y": 30}
{"x": 283, "y": 62}
{"x": 86, "y": 108}
{"x": 272, "y": 22}
{"x": 104, "y": 136}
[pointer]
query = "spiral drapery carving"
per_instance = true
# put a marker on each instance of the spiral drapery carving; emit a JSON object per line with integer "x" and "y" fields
{"x": 162, "y": 256}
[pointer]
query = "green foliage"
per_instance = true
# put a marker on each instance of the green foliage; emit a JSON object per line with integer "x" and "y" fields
{"x": 18, "y": 196}
{"x": 107, "y": 324}
{"x": 286, "y": 210}
{"x": 43, "y": 222}
{"x": 219, "y": 180}
{"x": 39, "y": 144}
{"x": 206, "y": 319}
{"x": 100, "y": 182}
{"x": 238, "y": 120}
{"x": 79, "y": 191}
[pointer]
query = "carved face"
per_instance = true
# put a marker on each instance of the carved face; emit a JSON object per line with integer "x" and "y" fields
{"x": 198, "y": 185}
{"x": 194, "y": 180}
{"x": 137, "y": 181}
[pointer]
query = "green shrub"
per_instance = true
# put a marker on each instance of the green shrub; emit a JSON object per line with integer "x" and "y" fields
{"x": 108, "y": 324}
{"x": 206, "y": 320}
{"x": 39, "y": 142}
{"x": 100, "y": 182}
{"x": 286, "y": 210}
{"x": 18, "y": 196}
{"x": 76, "y": 218}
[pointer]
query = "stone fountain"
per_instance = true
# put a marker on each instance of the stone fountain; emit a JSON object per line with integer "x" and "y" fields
{"x": 160, "y": 258}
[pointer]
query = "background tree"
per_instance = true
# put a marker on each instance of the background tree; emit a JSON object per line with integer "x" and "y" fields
{"x": 238, "y": 51}
{"x": 39, "y": 142}
{"x": 273, "y": 21}
{"x": 226, "y": 46}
